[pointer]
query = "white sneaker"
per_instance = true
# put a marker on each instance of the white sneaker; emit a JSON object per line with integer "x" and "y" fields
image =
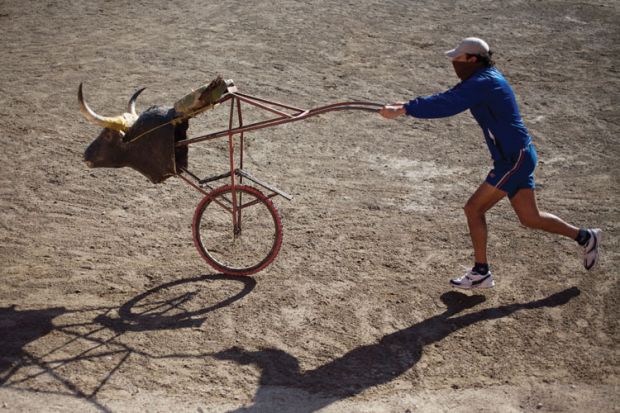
{"x": 471, "y": 279}
{"x": 590, "y": 250}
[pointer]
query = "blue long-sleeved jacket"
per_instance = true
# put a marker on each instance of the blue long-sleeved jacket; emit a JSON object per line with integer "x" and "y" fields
{"x": 491, "y": 101}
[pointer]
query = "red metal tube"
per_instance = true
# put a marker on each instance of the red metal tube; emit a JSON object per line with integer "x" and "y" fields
{"x": 365, "y": 106}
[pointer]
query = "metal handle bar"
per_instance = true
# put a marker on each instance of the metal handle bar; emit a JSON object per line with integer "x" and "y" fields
{"x": 284, "y": 118}
{"x": 365, "y": 106}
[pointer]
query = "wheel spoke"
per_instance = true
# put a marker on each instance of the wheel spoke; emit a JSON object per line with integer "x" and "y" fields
{"x": 256, "y": 241}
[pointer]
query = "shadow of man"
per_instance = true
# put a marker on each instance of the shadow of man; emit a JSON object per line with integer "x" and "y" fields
{"x": 282, "y": 383}
{"x": 17, "y": 329}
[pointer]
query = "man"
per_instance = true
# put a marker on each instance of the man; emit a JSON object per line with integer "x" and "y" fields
{"x": 486, "y": 93}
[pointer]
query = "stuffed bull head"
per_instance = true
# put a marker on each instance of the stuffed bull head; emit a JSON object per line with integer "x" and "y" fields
{"x": 146, "y": 142}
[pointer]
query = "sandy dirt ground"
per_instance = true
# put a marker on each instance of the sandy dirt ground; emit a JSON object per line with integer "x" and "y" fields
{"x": 105, "y": 305}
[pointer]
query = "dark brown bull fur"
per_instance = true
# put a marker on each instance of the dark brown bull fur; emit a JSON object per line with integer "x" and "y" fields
{"x": 148, "y": 146}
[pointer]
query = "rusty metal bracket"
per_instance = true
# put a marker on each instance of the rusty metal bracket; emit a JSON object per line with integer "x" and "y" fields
{"x": 247, "y": 175}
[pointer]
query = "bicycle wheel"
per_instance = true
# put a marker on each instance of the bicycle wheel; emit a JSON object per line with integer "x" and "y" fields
{"x": 239, "y": 245}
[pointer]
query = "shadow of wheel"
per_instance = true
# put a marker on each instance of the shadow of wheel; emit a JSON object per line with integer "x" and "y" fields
{"x": 170, "y": 305}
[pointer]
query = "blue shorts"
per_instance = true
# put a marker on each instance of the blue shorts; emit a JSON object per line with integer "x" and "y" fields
{"x": 515, "y": 174}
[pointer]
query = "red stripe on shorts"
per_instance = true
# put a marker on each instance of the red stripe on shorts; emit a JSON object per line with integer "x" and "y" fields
{"x": 514, "y": 169}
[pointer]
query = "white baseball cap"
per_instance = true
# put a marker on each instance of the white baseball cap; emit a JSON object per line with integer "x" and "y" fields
{"x": 470, "y": 45}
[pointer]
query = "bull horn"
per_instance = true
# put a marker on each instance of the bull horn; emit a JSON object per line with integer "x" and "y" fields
{"x": 131, "y": 106}
{"x": 118, "y": 123}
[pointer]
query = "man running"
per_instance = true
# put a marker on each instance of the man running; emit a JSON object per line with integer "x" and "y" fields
{"x": 490, "y": 99}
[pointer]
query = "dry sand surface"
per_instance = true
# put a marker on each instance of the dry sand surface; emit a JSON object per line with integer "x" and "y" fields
{"x": 105, "y": 305}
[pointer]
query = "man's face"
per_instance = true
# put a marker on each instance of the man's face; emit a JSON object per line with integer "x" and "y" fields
{"x": 464, "y": 58}
{"x": 465, "y": 65}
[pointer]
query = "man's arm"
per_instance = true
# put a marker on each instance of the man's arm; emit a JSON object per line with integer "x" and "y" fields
{"x": 449, "y": 103}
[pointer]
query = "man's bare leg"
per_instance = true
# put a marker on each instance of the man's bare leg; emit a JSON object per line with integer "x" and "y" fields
{"x": 478, "y": 204}
{"x": 524, "y": 204}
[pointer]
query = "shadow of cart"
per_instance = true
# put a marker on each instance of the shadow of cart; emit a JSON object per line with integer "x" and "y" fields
{"x": 99, "y": 340}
